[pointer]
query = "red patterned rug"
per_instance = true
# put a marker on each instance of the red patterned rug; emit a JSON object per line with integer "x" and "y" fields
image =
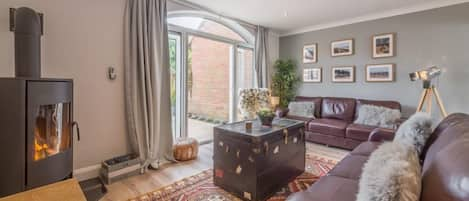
{"x": 200, "y": 187}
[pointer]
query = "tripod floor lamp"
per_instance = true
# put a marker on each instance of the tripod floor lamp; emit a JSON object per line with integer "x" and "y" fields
{"x": 429, "y": 89}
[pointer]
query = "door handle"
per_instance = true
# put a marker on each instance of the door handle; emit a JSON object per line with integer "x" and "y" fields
{"x": 75, "y": 124}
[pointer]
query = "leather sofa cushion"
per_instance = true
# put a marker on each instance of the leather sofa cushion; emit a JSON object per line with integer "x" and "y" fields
{"x": 446, "y": 165}
{"x": 358, "y": 131}
{"x": 349, "y": 167}
{"x": 332, "y": 188}
{"x": 317, "y": 103}
{"x": 328, "y": 126}
{"x": 449, "y": 123}
{"x": 382, "y": 134}
{"x": 338, "y": 108}
{"x": 446, "y": 177}
{"x": 365, "y": 148}
{"x": 331, "y": 140}
{"x": 454, "y": 133}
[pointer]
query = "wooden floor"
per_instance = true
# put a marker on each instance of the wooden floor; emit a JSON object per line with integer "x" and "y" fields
{"x": 168, "y": 174}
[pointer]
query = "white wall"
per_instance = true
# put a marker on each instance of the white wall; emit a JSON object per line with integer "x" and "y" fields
{"x": 82, "y": 38}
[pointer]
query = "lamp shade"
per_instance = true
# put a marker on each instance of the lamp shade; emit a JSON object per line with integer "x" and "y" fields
{"x": 275, "y": 100}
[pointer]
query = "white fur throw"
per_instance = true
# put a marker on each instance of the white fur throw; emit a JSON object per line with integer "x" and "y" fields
{"x": 301, "y": 109}
{"x": 415, "y": 131}
{"x": 372, "y": 115}
{"x": 392, "y": 173}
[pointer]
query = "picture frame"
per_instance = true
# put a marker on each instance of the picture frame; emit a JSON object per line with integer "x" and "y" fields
{"x": 343, "y": 74}
{"x": 310, "y": 53}
{"x": 380, "y": 72}
{"x": 383, "y": 45}
{"x": 344, "y": 47}
{"x": 312, "y": 75}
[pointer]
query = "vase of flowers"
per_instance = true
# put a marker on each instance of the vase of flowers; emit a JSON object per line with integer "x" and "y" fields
{"x": 266, "y": 116}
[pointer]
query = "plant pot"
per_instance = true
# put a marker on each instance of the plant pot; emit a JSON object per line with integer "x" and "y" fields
{"x": 266, "y": 120}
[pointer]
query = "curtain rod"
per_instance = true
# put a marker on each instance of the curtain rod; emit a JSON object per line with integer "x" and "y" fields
{"x": 203, "y": 8}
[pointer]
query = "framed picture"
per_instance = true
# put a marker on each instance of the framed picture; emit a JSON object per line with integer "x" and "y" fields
{"x": 343, "y": 74}
{"x": 310, "y": 53}
{"x": 312, "y": 75}
{"x": 380, "y": 73}
{"x": 384, "y": 45}
{"x": 342, "y": 48}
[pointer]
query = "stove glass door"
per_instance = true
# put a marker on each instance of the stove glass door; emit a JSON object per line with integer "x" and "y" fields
{"x": 52, "y": 130}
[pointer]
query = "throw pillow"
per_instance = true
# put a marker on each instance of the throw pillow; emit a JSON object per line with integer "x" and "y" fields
{"x": 301, "y": 109}
{"x": 383, "y": 117}
{"x": 392, "y": 173}
{"x": 415, "y": 131}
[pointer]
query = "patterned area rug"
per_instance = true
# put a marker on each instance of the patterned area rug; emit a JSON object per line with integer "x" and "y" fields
{"x": 200, "y": 187}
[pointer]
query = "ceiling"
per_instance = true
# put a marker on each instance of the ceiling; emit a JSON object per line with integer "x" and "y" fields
{"x": 288, "y": 17}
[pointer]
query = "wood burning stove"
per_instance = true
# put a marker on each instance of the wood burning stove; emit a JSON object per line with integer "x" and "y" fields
{"x": 36, "y": 116}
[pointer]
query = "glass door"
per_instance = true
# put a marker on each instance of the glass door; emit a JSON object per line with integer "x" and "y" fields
{"x": 206, "y": 74}
{"x": 209, "y": 66}
{"x": 175, "y": 51}
{"x": 245, "y": 74}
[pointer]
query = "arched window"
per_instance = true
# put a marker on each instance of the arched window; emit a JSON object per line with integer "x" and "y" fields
{"x": 211, "y": 59}
{"x": 204, "y": 22}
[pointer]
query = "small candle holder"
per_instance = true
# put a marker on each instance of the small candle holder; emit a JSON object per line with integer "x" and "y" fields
{"x": 248, "y": 125}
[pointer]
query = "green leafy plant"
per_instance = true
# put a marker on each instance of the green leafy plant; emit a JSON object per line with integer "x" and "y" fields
{"x": 266, "y": 116}
{"x": 265, "y": 112}
{"x": 284, "y": 81}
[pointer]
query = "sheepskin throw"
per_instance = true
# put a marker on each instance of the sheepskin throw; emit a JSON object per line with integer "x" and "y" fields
{"x": 383, "y": 117}
{"x": 415, "y": 131}
{"x": 301, "y": 109}
{"x": 392, "y": 173}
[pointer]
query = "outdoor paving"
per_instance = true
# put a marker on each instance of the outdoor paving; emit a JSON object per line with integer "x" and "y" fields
{"x": 200, "y": 130}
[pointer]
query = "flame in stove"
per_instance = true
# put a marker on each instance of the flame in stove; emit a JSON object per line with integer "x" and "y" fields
{"x": 40, "y": 150}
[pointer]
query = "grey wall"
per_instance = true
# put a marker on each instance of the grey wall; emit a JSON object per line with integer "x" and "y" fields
{"x": 435, "y": 37}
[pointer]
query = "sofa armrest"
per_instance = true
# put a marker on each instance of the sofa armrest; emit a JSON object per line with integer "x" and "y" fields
{"x": 381, "y": 134}
{"x": 281, "y": 112}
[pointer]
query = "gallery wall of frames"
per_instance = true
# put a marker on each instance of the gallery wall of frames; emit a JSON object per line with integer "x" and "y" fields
{"x": 378, "y": 56}
{"x": 381, "y": 46}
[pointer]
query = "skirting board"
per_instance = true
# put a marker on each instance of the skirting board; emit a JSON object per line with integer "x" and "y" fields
{"x": 92, "y": 171}
{"x": 86, "y": 173}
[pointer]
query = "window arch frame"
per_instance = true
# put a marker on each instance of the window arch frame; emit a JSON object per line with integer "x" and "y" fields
{"x": 230, "y": 24}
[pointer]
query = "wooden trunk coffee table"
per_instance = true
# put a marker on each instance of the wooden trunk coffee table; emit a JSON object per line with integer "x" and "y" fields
{"x": 254, "y": 164}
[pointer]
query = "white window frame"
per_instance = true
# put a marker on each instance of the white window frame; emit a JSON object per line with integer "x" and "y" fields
{"x": 184, "y": 33}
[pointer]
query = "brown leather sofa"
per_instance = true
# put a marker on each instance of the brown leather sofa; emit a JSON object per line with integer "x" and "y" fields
{"x": 445, "y": 169}
{"x": 334, "y": 120}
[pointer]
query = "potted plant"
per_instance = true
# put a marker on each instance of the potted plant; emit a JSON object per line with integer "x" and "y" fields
{"x": 284, "y": 81}
{"x": 266, "y": 116}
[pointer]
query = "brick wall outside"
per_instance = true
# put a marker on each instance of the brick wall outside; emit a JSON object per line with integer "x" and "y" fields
{"x": 209, "y": 94}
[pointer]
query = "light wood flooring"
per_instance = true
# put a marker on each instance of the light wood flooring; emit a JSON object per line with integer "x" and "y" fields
{"x": 170, "y": 173}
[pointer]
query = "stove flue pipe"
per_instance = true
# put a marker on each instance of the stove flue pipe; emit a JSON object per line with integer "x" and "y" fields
{"x": 27, "y": 26}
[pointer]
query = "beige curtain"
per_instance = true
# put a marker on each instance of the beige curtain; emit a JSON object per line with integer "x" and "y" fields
{"x": 147, "y": 81}
{"x": 261, "y": 57}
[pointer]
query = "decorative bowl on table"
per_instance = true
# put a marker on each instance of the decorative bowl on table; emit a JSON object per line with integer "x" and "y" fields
{"x": 266, "y": 116}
